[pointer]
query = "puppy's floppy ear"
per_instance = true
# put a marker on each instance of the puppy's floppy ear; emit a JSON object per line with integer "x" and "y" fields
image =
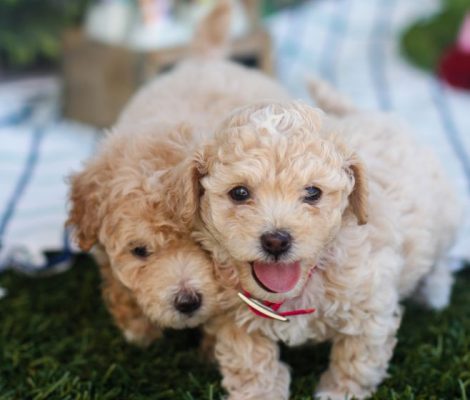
{"x": 184, "y": 189}
{"x": 83, "y": 214}
{"x": 358, "y": 199}
{"x": 127, "y": 275}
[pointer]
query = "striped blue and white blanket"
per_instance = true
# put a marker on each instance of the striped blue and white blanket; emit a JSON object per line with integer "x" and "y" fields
{"x": 37, "y": 151}
{"x": 351, "y": 43}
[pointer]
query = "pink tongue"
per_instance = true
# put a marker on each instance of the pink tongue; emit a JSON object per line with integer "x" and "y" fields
{"x": 277, "y": 277}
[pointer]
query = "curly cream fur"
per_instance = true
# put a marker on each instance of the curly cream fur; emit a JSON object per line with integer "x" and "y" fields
{"x": 118, "y": 203}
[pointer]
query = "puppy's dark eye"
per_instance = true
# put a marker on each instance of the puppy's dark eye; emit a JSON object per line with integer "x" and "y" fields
{"x": 140, "y": 251}
{"x": 239, "y": 194}
{"x": 313, "y": 194}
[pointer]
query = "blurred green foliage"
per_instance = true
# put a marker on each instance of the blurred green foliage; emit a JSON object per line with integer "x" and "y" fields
{"x": 424, "y": 42}
{"x": 30, "y": 29}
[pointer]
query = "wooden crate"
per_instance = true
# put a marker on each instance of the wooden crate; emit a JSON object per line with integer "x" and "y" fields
{"x": 99, "y": 79}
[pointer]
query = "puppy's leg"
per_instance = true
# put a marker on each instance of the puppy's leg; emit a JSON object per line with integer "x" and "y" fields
{"x": 249, "y": 364}
{"x": 359, "y": 363}
{"x": 207, "y": 347}
{"x": 127, "y": 315}
{"x": 436, "y": 288}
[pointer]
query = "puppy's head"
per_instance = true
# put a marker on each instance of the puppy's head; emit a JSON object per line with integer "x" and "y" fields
{"x": 119, "y": 203}
{"x": 274, "y": 192}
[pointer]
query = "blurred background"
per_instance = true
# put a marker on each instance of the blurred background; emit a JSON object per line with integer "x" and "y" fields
{"x": 68, "y": 67}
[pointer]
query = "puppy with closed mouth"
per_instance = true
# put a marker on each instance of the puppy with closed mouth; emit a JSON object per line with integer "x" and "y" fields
{"x": 329, "y": 219}
{"x": 154, "y": 275}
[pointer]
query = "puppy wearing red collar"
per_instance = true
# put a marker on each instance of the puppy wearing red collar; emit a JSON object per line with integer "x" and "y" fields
{"x": 322, "y": 224}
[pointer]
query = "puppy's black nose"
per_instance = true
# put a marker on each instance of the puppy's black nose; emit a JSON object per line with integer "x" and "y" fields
{"x": 276, "y": 243}
{"x": 187, "y": 302}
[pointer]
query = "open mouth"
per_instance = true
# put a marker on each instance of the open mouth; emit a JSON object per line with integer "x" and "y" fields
{"x": 276, "y": 277}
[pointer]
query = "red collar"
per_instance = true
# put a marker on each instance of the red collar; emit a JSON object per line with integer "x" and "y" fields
{"x": 276, "y": 306}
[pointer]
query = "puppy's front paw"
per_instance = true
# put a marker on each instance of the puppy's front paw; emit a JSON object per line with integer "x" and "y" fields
{"x": 141, "y": 333}
{"x": 267, "y": 396}
{"x": 340, "y": 395}
{"x": 330, "y": 395}
{"x": 330, "y": 389}
{"x": 276, "y": 388}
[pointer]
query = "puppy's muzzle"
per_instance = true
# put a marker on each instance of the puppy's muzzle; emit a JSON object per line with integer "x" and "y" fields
{"x": 276, "y": 243}
{"x": 187, "y": 302}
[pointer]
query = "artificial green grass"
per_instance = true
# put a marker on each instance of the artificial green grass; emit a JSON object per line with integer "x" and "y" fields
{"x": 58, "y": 342}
